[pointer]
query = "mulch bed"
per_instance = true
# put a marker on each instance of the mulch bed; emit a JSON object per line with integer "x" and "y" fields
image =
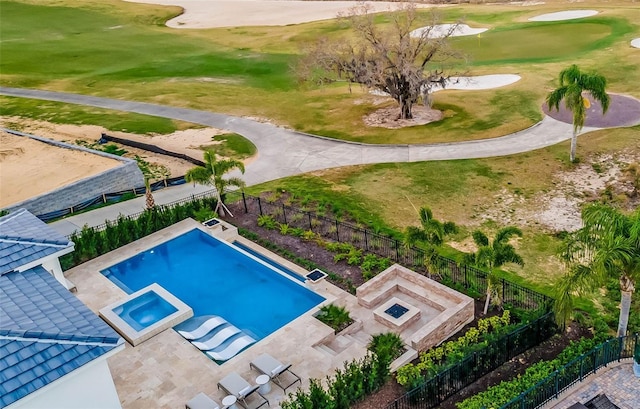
{"x": 392, "y": 390}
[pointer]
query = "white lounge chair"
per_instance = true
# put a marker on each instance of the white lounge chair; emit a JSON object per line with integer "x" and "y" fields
{"x": 232, "y": 349}
{"x": 274, "y": 369}
{"x": 204, "y": 328}
{"x": 235, "y": 385}
{"x": 202, "y": 401}
{"x": 218, "y": 339}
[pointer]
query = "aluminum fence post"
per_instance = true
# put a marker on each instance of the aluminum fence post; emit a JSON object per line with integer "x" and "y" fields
{"x": 244, "y": 200}
{"x": 284, "y": 213}
{"x": 260, "y": 206}
{"x": 556, "y": 384}
{"x": 310, "y": 224}
{"x": 397, "y": 251}
{"x": 366, "y": 244}
{"x": 337, "y": 234}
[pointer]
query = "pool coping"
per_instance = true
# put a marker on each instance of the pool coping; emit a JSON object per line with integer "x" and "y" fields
{"x": 135, "y": 337}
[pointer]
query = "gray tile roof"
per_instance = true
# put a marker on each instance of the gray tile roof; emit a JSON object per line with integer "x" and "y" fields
{"x": 24, "y": 238}
{"x": 45, "y": 333}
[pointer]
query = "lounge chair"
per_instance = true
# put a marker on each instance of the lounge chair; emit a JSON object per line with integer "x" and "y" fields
{"x": 218, "y": 339}
{"x": 232, "y": 349}
{"x": 274, "y": 369}
{"x": 202, "y": 401}
{"x": 204, "y": 328}
{"x": 235, "y": 385}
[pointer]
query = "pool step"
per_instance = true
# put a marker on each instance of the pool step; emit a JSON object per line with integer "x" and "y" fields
{"x": 215, "y": 336}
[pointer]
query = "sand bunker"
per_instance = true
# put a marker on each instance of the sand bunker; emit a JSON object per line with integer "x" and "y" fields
{"x": 564, "y": 15}
{"x": 29, "y": 168}
{"x": 236, "y": 13}
{"x": 441, "y": 30}
{"x": 479, "y": 82}
{"x": 635, "y": 43}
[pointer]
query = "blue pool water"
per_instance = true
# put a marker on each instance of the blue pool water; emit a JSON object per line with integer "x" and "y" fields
{"x": 269, "y": 261}
{"x": 145, "y": 310}
{"x": 216, "y": 278}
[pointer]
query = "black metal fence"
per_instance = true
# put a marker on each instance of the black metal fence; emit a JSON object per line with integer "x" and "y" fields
{"x": 458, "y": 275}
{"x": 451, "y": 380}
{"x": 575, "y": 371}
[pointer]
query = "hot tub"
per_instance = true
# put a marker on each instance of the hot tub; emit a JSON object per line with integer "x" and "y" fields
{"x": 144, "y": 310}
{"x": 145, "y": 313}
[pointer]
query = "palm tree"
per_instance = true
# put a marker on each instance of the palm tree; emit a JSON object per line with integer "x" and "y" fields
{"x": 430, "y": 230}
{"x": 573, "y": 83}
{"x": 491, "y": 255}
{"x": 431, "y": 234}
{"x": 151, "y": 203}
{"x": 607, "y": 247}
{"x": 212, "y": 174}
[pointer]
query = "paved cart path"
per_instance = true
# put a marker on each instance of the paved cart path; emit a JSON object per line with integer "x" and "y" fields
{"x": 283, "y": 152}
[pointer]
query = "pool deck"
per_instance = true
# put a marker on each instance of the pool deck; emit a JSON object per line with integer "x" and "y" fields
{"x": 166, "y": 371}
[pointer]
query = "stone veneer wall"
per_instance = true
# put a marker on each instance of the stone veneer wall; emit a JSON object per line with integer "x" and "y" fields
{"x": 457, "y": 309}
{"x": 124, "y": 177}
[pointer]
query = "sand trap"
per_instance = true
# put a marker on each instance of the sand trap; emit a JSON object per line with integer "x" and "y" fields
{"x": 635, "y": 43}
{"x": 236, "y": 13}
{"x": 23, "y": 174}
{"x": 564, "y": 15}
{"x": 479, "y": 82}
{"x": 440, "y": 30}
{"x": 476, "y": 83}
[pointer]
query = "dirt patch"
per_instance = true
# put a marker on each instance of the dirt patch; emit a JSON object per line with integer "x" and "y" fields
{"x": 390, "y": 117}
{"x": 29, "y": 168}
{"x": 603, "y": 177}
{"x": 185, "y": 141}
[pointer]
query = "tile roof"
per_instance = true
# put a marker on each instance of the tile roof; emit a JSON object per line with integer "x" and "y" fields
{"x": 24, "y": 238}
{"x": 45, "y": 333}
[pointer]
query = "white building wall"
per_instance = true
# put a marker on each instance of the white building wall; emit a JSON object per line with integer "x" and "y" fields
{"x": 88, "y": 387}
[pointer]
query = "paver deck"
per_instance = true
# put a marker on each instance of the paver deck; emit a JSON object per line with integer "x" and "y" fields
{"x": 617, "y": 381}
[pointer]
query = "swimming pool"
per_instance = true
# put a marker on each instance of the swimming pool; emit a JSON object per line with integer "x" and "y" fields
{"x": 214, "y": 277}
{"x": 269, "y": 261}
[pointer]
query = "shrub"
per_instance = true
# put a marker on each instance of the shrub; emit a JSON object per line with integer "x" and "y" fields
{"x": 504, "y": 392}
{"x": 357, "y": 379}
{"x": 334, "y": 316}
{"x": 388, "y": 345}
{"x": 451, "y": 352}
{"x": 267, "y": 221}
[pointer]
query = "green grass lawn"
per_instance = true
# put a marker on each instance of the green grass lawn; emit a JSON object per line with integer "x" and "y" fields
{"x": 122, "y": 50}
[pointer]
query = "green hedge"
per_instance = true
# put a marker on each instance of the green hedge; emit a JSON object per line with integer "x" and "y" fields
{"x": 500, "y": 394}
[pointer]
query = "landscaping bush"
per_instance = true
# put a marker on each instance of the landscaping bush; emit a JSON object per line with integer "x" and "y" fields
{"x": 452, "y": 352}
{"x": 352, "y": 383}
{"x": 502, "y": 393}
{"x": 388, "y": 344}
{"x": 334, "y": 316}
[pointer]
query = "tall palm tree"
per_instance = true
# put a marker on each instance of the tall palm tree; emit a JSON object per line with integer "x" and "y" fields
{"x": 212, "y": 174}
{"x": 573, "y": 83}
{"x": 607, "y": 247}
{"x": 491, "y": 255}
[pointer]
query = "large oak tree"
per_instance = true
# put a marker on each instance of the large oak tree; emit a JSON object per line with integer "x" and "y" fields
{"x": 394, "y": 58}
